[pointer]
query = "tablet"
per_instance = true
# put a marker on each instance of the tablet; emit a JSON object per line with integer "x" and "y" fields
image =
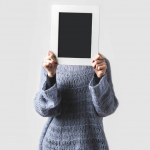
{"x": 74, "y": 36}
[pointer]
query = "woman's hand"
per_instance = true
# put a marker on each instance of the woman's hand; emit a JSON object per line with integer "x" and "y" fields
{"x": 50, "y": 64}
{"x": 99, "y": 65}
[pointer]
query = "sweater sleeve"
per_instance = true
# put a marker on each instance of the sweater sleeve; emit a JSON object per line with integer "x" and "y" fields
{"x": 103, "y": 96}
{"x": 47, "y": 100}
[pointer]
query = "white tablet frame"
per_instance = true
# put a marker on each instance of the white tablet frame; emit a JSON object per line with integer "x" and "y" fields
{"x": 55, "y": 9}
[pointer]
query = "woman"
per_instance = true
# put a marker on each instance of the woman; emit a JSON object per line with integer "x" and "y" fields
{"x": 75, "y": 99}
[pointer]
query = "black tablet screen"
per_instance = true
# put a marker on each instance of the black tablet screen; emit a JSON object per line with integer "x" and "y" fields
{"x": 74, "y": 37}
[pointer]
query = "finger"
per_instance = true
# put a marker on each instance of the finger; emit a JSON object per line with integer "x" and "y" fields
{"x": 101, "y": 73}
{"x": 94, "y": 64}
{"x": 48, "y": 62}
{"x": 50, "y": 58}
{"x": 100, "y": 61}
{"x": 102, "y": 64}
{"x": 101, "y": 55}
{"x": 101, "y": 67}
{"x": 53, "y": 54}
{"x": 47, "y": 65}
{"x": 98, "y": 57}
{"x": 51, "y": 61}
{"x": 50, "y": 53}
{"x": 95, "y": 58}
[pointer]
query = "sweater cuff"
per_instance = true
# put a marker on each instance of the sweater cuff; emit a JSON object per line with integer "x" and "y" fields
{"x": 50, "y": 81}
{"x": 100, "y": 88}
{"x": 96, "y": 79}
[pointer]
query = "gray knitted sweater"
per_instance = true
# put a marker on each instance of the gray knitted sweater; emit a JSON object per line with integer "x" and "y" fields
{"x": 75, "y": 106}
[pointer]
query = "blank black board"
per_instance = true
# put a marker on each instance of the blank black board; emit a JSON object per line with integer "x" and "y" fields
{"x": 74, "y": 35}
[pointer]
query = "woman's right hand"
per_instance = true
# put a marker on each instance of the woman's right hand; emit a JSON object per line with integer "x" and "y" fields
{"x": 50, "y": 64}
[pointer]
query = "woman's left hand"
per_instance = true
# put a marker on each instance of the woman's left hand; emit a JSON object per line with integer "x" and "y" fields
{"x": 99, "y": 65}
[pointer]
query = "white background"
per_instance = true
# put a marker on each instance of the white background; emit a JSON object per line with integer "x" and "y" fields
{"x": 24, "y": 41}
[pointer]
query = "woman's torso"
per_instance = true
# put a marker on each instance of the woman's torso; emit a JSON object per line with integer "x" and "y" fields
{"x": 78, "y": 121}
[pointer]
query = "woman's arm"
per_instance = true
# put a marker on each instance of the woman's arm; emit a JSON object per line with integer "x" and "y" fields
{"x": 102, "y": 92}
{"x": 47, "y": 100}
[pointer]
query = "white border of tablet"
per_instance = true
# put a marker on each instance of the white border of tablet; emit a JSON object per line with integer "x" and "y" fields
{"x": 55, "y": 9}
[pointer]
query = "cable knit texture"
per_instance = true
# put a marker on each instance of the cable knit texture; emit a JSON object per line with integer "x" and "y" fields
{"x": 75, "y": 106}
